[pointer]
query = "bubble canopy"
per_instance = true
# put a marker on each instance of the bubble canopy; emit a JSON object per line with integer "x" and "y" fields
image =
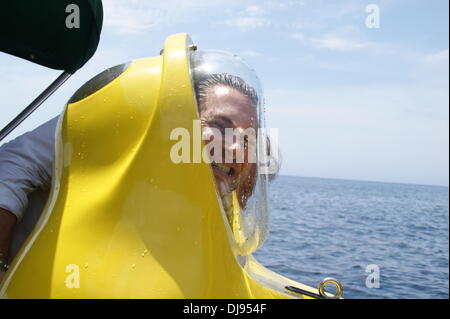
{"x": 230, "y": 104}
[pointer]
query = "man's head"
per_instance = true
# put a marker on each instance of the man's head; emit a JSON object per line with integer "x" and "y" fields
{"x": 226, "y": 101}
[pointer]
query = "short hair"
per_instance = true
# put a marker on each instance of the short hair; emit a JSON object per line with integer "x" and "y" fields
{"x": 208, "y": 81}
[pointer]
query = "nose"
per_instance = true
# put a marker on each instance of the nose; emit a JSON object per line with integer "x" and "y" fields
{"x": 223, "y": 152}
{"x": 241, "y": 148}
{"x": 230, "y": 150}
{"x": 233, "y": 149}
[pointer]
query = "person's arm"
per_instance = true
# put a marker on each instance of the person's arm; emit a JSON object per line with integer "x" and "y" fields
{"x": 25, "y": 165}
{"x": 7, "y": 222}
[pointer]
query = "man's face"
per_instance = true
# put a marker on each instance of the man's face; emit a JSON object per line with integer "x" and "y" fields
{"x": 226, "y": 107}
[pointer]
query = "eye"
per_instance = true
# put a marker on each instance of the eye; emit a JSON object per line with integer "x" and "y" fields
{"x": 221, "y": 123}
{"x": 217, "y": 125}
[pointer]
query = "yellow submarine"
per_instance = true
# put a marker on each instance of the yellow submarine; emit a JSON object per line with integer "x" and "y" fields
{"x": 123, "y": 220}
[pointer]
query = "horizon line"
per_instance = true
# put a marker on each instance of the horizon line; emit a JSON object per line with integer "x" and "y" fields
{"x": 364, "y": 180}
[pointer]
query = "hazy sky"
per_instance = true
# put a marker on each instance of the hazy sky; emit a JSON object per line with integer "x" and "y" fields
{"x": 349, "y": 101}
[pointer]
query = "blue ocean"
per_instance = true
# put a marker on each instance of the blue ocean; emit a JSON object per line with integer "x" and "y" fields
{"x": 341, "y": 228}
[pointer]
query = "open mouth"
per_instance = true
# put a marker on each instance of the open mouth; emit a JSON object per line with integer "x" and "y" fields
{"x": 225, "y": 181}
{"x": 225, "y": 176}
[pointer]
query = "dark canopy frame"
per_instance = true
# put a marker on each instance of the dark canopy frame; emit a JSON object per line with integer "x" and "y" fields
{"x": 58, "y": 34}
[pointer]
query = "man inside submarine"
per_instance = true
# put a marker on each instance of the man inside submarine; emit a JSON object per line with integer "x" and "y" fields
{"x": 228, "y": 96}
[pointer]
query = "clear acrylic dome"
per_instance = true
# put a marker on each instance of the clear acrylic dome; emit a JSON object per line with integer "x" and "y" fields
{"x": 231, "y": 109}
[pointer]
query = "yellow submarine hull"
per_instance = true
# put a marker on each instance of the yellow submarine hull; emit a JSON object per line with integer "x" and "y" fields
{"x": 124, "y": 221}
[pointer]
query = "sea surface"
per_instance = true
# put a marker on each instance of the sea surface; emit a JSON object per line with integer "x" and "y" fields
{"x": 341, "y": 228}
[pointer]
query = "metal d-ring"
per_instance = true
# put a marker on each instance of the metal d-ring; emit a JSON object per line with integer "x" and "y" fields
{"x": 333, "y": 281}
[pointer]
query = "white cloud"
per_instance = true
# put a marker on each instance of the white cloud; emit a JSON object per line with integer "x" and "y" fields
{"x": 134, "y": 17}
{"x": 252, "y": 17}
{"x": 298, "y": 36}
{"x": 333, "y": 42}
{"x": 440, "y": 57}
{"x": 340, "y": 44}
{"x": 248, "y": 22}
{"x": 254, "y": 10}
{"x": 345, "y": 38}
{"x": 433, "y": 69}
{"x": 260, "y": 15}
{"x": 131, "y": 17}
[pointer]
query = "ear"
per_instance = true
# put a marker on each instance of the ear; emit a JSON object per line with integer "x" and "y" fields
{"x": 274, "y": 158}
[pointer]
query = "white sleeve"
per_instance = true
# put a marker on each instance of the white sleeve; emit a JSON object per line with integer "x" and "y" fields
{"x": 26, "y": 165}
